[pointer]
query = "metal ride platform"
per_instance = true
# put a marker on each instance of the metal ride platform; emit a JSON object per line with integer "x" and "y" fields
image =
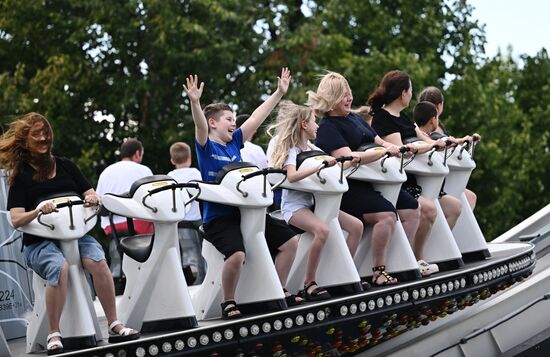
{"x": 338, "y": 326}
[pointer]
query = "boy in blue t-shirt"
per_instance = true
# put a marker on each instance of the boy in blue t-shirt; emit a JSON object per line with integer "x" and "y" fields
{"x": 218, "y": 143}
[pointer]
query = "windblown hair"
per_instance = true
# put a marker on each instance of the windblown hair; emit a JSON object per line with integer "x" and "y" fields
{"x": 364, "y": 112}
{"x": 390, "y": 88}
{"x": 432, "y": 95}
{"x": 180, "y": 153}
{"x": 287, "y": 130}
{"x": 14, "y": 151}
{"x": 331, "y": 91}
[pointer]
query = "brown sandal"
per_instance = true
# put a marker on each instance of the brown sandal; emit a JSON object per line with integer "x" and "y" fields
{"x": 380, "y": 271}
{"x": 230, "y": 310}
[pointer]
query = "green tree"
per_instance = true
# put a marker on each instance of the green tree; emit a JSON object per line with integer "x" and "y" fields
{"x": 104, "y": 71}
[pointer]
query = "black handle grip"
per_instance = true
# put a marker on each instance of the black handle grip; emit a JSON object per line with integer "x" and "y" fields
{"x": 69, "y": 203}
{"x": 344, "y": 158}
{"x": 404, "y": 149}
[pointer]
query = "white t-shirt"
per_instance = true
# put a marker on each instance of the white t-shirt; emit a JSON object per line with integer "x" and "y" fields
{"x": 254, "y": 154}
{"x": 270, "y": 149}
{"x": 291, "y": 200}
{"x": 185, "y": 175}
{"x": 118, "y": 178}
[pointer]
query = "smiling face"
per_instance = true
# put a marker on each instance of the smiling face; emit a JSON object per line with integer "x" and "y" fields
{"x": 223, "y": 128}
{"x": 343, "y": 107}
{"x": 39, "y": 139}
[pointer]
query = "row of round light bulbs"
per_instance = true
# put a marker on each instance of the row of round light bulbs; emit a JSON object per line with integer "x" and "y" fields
{"x": 299, "y": 320}
{"x": 437, "y": 289}
{"x": 228, "y": 334}
{"x": 494, "y": 273}
{"x": 520, "y": 264}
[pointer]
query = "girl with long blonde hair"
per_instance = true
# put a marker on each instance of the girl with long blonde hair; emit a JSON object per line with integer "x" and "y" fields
{"x": 294, "y": 127}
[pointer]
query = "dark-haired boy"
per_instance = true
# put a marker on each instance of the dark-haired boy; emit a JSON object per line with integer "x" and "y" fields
{"x": 425, "y": 117}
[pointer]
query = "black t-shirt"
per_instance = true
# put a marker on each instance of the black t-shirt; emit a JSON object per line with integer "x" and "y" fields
{"x": 25, "y": 192}
{"x": 336, "y": 132}
{"x": 385, "y": 124}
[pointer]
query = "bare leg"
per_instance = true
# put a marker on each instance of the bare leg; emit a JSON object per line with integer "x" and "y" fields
{"x": 231, "y": 272}
{"x": 354, "y": 227}
{"x": 55, "y": 299}
{"x": 306, "y": 220}
{"x": 410, "y": 219}
{"x": 427, "y": 219}
{"x": 382, "y": 231}
{"x": 451, "y": 207}
{"x": 104, "y": 287}
{"x": 285, "y": 258}
{"x": 471, "y": 197}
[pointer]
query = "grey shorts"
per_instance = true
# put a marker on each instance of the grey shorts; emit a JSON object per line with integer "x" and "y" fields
{"x": 46, "y": 259}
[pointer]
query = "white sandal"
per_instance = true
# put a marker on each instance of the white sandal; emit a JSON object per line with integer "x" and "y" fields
{"x": 54, "y": 347}
{"x": 125, "y": 333}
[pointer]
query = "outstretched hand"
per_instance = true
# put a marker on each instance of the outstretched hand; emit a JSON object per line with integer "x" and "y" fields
{"x": 283, "y": 81}
{"x": 193, "y": 88}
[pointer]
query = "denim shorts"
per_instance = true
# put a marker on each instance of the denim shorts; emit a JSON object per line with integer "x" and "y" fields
{"x": 46, "y": 259}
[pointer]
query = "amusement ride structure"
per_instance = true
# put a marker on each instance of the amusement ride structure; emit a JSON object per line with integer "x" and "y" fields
{"x": 468, "y": 307}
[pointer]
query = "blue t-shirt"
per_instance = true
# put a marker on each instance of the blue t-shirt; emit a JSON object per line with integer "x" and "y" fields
{"x": 336, "y": 132}
{"x": 211, "y": 159}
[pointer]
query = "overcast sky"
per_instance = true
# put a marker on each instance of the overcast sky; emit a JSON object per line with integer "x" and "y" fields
{"x": 524, "y": 24}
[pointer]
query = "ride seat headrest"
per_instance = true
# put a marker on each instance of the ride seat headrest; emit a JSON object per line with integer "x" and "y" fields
{"x": 412, "y": 139}
{"x": 230, "y": 167}
{"x": 365, "y": 147}
{"x": 304, "y": 155}
{"x": 50, "y": 196}
{"x": 147, "y": 179}
{"x": 436, "y": 135}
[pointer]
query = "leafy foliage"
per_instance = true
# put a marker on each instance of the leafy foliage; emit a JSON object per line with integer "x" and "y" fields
{"x": 104, "y": 71}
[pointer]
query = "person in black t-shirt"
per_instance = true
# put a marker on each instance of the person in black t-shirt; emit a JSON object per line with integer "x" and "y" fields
{"x": 341, "y": 133}
{"x": 392, "y": 95}
{"x": 25, "y": 151}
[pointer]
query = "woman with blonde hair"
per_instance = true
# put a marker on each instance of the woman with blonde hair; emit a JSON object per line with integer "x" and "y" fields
{"x": 341, "y": 132}
{"x": 34, "y": 172}
{"x": 294, "y": 127}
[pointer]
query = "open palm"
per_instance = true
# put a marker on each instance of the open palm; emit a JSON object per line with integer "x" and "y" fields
{"x": 193, "y": 88}
{"x": 284, "y": 80}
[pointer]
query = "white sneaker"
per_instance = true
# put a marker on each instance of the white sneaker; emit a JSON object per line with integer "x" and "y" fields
{"x": 426, "y": 269}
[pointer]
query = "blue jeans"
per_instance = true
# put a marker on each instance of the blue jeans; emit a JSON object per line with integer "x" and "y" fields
{"x": 46, "y": 259}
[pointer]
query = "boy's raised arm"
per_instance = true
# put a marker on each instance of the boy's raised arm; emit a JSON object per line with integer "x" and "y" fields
{"x": 260, "y": 114}
{"x": 194, "y": 92}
